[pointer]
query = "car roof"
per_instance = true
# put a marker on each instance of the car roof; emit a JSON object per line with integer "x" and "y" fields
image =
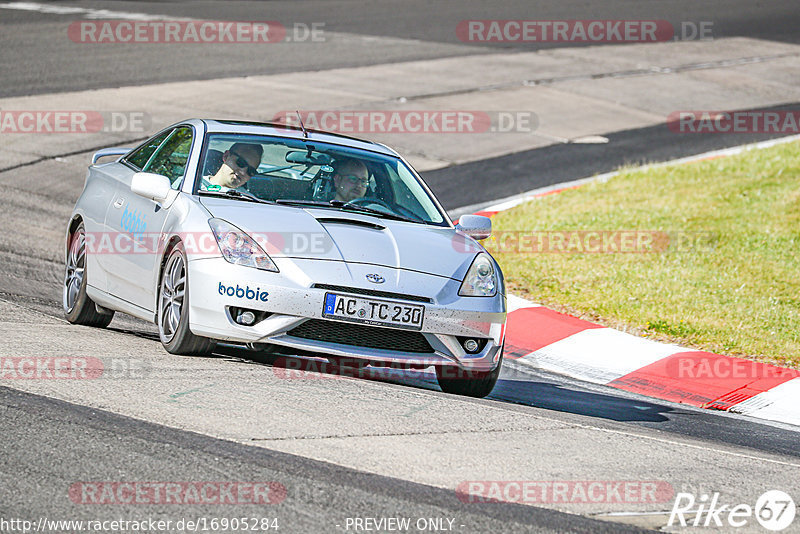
{"x": 294, "y": 132}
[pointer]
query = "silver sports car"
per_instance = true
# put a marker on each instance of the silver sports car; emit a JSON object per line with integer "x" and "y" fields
{"x": 275, "y": 236}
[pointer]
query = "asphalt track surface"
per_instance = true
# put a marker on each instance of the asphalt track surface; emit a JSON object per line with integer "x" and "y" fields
{"x": 320, "y": 495}
{"x": 469, "y": 184}
{"x": 35, "y": 60}
{"x": 49, "y": 444}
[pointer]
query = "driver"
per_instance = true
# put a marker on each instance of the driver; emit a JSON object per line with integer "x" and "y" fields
{"x": 350, "y": 178}
{"x": 239, "y": 163}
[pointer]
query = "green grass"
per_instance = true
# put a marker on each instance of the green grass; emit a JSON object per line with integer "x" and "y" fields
{"x": 736, "y": 292}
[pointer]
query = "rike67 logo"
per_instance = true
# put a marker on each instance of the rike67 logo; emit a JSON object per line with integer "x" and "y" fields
{"x": 774, "y": 510}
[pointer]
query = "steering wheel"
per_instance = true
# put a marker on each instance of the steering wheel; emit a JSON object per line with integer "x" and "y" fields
{"x": 368, "y": 200}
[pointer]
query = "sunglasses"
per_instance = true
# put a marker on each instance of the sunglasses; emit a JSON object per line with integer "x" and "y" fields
{"x": 242, "y": 164}
{"x": 356, "y": 179}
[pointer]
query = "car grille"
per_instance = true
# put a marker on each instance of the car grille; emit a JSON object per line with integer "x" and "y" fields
{"x": 373, "y": 337}
{"x": 373, "y": 293}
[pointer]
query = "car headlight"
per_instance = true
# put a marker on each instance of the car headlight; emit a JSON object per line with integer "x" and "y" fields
{"x": 481, "y": 279}
{"x": 239, "y": 248}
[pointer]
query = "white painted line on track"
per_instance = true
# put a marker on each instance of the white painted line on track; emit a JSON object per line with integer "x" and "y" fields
{"x": 89, "y": 13}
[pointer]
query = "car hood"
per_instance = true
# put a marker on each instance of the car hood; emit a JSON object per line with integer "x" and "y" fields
{"x": 333, "y": 235}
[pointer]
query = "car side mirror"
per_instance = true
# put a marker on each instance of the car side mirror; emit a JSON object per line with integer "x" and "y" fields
{"x": 105, "y": 152}
{"x": 476, "y": 226}
{"x": 153, "y": 186}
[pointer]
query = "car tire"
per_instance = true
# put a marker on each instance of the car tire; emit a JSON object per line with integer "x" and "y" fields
{"x": 468, "y": 383}
{"x": 172, "y": 311}
{"x": 78, "y": 307}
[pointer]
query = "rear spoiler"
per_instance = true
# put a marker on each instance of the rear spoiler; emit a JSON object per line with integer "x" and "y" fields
{"x": 116, "y": 151}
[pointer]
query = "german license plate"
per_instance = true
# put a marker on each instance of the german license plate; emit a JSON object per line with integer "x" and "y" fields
{"x": 373, "y": 311}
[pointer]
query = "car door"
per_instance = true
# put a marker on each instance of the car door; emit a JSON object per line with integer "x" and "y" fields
{"x": 104, "y": 187}
{"x": 139, "y": 222}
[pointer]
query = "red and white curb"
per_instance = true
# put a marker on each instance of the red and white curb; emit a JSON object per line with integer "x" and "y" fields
{"x": 563, "y": 344}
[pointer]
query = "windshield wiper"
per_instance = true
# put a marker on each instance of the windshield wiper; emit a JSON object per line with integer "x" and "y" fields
{"x": 233, "y": 193}
{"x": 293, "y": 202}
{"x": 371, "y": 211}
{"x": 347, "y": 206}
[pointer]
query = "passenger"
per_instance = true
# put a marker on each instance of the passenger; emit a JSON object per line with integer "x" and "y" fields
{"x": 350, "y": 178}
{"x": 239, "y": 163}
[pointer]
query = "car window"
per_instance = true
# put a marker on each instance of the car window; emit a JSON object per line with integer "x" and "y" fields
{"x": 140, "y": 158}
{"x": 302, "y": 173}
{"x": 408, "y": 192}
{"x": 172, "y": 157}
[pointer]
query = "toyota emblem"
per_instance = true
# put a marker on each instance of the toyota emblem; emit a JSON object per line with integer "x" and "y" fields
{"x": 375, "y": 278}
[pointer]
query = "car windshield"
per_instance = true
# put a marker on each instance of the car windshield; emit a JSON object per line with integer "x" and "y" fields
{"x": 307, "y": 173}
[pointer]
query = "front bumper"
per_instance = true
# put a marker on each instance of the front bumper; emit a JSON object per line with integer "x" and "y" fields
{"x": 291, "y": 300}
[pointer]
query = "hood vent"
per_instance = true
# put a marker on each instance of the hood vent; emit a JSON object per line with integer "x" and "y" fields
{"x": 350, "y": 222}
